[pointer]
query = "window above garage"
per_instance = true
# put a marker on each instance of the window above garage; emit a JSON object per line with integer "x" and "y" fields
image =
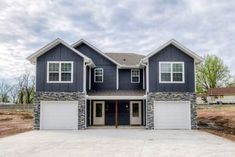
{"x": 59, "y": 72}
{"x": 171, "y": 72}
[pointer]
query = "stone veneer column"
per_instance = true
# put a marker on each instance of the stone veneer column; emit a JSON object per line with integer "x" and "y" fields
{"x": 60, "y": 96}
{"x": 170, "y": 96}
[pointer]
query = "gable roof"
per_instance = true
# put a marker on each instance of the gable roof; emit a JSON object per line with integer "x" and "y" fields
{"x": 187, "y": 51}
{"x": 221, "y": 91}
{"x": 81, "y": 41}
{"x": 33, "y": 57}
{"x": 126, "y": 59}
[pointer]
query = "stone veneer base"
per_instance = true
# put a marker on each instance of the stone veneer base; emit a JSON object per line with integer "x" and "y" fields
{"x": 60, "y": 96}
{"x": 170, "y": 96}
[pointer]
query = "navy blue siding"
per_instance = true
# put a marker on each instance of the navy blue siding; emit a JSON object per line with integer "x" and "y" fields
{"x": 109, "y": 68}
{"x": 125, "y": 80}
{"x": 171, "y": 53}
{"x": 109, "y": 112}
{"x": 59, "y": 53}
{"x": 144, "y": 81}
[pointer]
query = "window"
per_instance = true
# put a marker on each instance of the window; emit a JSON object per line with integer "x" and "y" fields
{"x": 59, "y": 72}
{"x": 135, "y": 110}
{"x": 98, "y": 75}
{"x": 135, "y": 76}
{"x": 99, "y": 108}
{"x": 171, "y": 72}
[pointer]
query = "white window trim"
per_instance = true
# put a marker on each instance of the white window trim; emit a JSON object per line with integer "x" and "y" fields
{"x": 60, "y": 62}
{"x": 98, "y": 75}
{"x": 135, "y": 76}
{"x": 160, "y": 81}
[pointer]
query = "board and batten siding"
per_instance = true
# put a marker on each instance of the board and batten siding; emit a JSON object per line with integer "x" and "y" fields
{"x": 59, "y": 53}
{"x": 171, "y": 54}
{"x": 125, "y": 80}
{"x": 109, "y": 68}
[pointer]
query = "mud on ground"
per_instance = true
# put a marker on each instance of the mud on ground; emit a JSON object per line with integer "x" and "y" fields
{"x": 217, "y": 119}
{"x": 12, "y": 122}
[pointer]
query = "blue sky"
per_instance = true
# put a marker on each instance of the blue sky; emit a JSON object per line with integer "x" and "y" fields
{"x": 206, "y": 27}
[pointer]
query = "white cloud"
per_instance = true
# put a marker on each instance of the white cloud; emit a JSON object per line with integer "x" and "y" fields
{"x": 139, "y": 26}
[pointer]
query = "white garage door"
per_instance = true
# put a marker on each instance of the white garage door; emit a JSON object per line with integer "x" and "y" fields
{"x": 59, "y": 115}
{"x": 172, "y": 115}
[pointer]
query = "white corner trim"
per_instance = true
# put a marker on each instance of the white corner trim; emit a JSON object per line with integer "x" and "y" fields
{"x": 89, "y": 78}
{"x": 95, "y": 81}
{"x": 84, "y": 76}
{"x": 135, "y": 75}
{"x": 171, "y": 63}
{"x": 147, "y": 76}
{"x": 60, "y": 62}
{"x": 79, "y": 42}
{"x": 197, "y": 58}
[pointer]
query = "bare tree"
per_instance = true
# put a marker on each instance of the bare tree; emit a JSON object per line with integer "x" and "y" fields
{"x": 26, "y": 84}
{"x": 4, "y": 91}
{"x": 14, "y": 93}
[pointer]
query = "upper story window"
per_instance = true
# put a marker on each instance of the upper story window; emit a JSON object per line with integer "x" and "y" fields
{"x": 135, "y": 76}
{"x": 171, "y": 72}
{"x": 59, "y": 72}
{"x": 98, "y": 75}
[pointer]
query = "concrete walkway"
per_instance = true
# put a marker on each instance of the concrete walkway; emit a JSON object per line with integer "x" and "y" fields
{"x": 116, "y": 143}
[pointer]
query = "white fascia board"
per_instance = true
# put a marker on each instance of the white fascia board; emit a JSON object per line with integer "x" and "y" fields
{"x": 32, "y": 58}
{"x": 197, "y": 58}
{"x": 79, "y": 42}
{"x": 115, "y": 97}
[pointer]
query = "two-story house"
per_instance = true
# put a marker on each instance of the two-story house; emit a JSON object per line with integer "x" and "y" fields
{"x": 78, "y": 86}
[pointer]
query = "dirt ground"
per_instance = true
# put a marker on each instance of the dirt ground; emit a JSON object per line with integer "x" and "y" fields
{"x": 13, "y": 121}
{"x": 218, "y": 120}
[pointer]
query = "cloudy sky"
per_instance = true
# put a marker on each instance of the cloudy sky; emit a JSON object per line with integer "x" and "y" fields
{"x": 204, "y": 26}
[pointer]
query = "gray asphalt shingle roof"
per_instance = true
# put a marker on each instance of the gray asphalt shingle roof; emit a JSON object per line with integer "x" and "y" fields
{"x": 126, "y": 58}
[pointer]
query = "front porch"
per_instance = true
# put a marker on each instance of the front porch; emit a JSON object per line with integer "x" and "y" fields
{"x": 115, "y": 110}
{"x": 116, "y": 113}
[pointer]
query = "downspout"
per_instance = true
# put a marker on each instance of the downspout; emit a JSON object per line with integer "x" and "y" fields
{"x": 86, "y": 63}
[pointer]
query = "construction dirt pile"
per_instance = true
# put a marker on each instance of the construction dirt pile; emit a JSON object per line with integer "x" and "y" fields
{"x": 217, "y": 119}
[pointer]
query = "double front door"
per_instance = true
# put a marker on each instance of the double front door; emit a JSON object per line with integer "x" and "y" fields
{"x": 128, "y": 112}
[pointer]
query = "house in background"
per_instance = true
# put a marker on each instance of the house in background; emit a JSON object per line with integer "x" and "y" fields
{"x": 79, "y": 86}
{"x": 223, "y": 95}
{"x": 201, "y": 99}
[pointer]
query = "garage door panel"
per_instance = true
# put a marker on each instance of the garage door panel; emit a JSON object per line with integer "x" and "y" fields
{"x": 59, "y": 115}
{"x": 172, "y": 115}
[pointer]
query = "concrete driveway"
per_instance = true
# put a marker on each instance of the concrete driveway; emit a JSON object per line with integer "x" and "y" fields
{"x": 115, "y": 143}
